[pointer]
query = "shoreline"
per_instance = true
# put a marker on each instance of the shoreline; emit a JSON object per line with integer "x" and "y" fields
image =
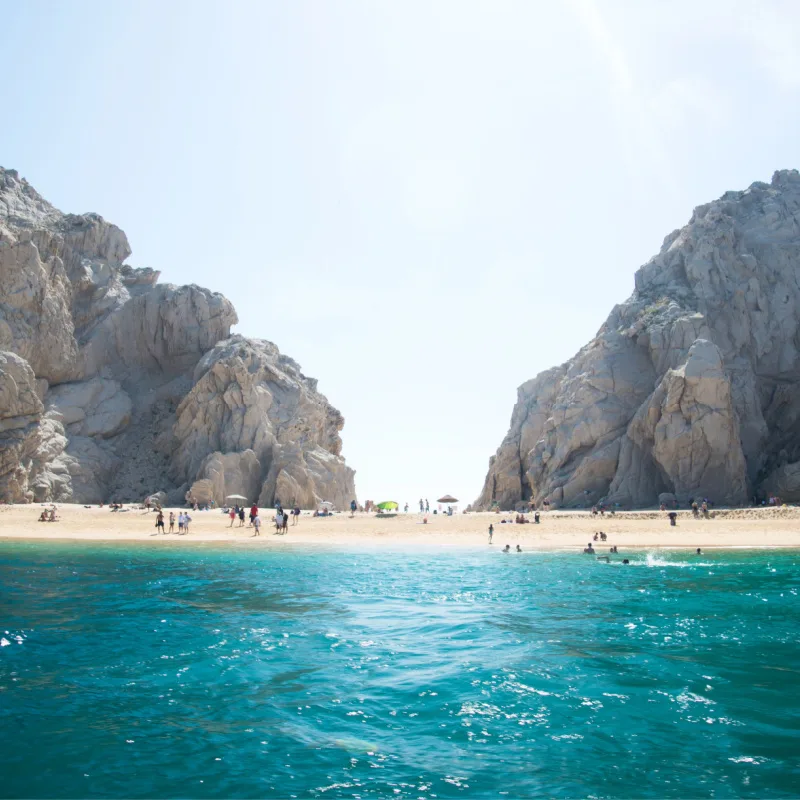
{"x": 390, "y": 546}
{"x": 756, "y": 528}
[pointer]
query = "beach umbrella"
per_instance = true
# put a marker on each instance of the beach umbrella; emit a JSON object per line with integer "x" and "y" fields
{"x": 387, "y": 505}
{"x": 236, "y": 497}
{"x": 448, "y": 498}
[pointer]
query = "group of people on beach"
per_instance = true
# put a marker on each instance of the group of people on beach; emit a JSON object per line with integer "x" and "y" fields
{"x": 49, "y": 515}
{"x": 183, "y": 520}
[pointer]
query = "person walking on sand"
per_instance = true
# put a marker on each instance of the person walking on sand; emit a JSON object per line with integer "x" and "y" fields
{"x": 172, "y": 522}
{"x": 427, "y": 506}
{"x": 296, "y": 513}
{"x": 421, "y": 506}
{"x": 253, "y": 513}
{"x": 232, "y": 515}
{"x": 353, "y": 507}
{"x": 241, "y": 516}
{"x": 491, "y": 532}
{"x": 405, "y": 509}
{"x": 257, "y": 525}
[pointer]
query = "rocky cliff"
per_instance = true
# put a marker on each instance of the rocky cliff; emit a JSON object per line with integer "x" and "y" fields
{"x": 691, "y": 388}
{"x": 113, "y": 386}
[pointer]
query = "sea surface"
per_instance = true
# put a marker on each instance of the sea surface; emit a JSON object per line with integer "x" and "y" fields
{"x": 210, "y": 671}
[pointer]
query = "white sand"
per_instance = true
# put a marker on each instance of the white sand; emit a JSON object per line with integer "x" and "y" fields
{"x": 769, "y": 527}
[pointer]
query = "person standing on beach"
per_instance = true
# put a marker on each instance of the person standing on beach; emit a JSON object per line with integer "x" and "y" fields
{"x": 421, "y": 506}
{"x": 253, "y": 513}
{"x": 427, "y": 506}
{"x": 491, "y": 532}
{"x": 406, "y": 508}
{"x": 160, "y": 522}
{"x": 186, "y": 520}
{"x": 232, "y": 515}
{"x": 296, "y": 513}
{"x": 353, "y": 507}
{"x": 257, "y": 525}
{"x": 172, "y": 522}
{"x": 241, "y": 517}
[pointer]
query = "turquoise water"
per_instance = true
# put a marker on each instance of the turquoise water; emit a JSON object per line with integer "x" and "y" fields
{"x": 137, "y": 671}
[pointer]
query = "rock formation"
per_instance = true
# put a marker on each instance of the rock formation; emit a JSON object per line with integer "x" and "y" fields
{"x": 691, "y": 388}
{"x": 113, "y": 386}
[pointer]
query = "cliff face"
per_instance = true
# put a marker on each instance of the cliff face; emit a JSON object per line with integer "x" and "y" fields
{"x": 690, "y": 388}
{"x": 113, "y": 386}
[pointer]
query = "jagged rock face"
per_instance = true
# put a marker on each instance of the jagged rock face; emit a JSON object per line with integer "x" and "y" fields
{"x": 251, "y": 401}
{"x": 105, "y": 391}
{"x": 689, "y": 387}
{"x": 20, "y": 413}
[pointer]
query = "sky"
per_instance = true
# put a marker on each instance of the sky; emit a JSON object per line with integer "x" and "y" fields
{"x": 423, "y": 203}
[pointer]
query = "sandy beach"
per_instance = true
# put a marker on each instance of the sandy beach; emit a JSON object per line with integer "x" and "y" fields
{"x": 766, "y": 527}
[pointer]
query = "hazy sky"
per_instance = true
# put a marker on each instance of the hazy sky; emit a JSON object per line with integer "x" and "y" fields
{"x": 423, "y": 203}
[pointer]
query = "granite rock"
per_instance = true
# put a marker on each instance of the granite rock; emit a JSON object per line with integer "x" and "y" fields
{"x": 690, "y": 387}
{"x": 114, "y": 386}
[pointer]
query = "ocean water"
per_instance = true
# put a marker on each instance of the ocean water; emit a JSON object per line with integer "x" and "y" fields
{"x": 143, "y": 671}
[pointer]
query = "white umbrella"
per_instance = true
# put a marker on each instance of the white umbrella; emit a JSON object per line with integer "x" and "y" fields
{"x": 235, "y": 497}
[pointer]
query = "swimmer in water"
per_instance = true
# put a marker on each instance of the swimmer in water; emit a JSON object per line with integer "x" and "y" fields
{"x": 625, "y": 561}
{"x": 699, "y": 551}
{"x": 519, "y": 549}
{"x": 507, "y": 548}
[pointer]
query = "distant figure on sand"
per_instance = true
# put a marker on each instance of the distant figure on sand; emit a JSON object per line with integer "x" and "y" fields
{"x": 253, "y": 513}
{"x": 421, "y": 506}
{"x": 427, "y": 506}
{"x": 172, "y": 522}
{"x": 186, "y": 520}
{"x": 257, "y": 525}
{"x": 353, "y": 507}
{"x": 491, "y": 533}
{"x": 232, "y": 515}
{"x": 160, "y": 522}
{"x": 296, "y": 515}
{"x": 405, "y": 509}
{"x": 672, "y": 518}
